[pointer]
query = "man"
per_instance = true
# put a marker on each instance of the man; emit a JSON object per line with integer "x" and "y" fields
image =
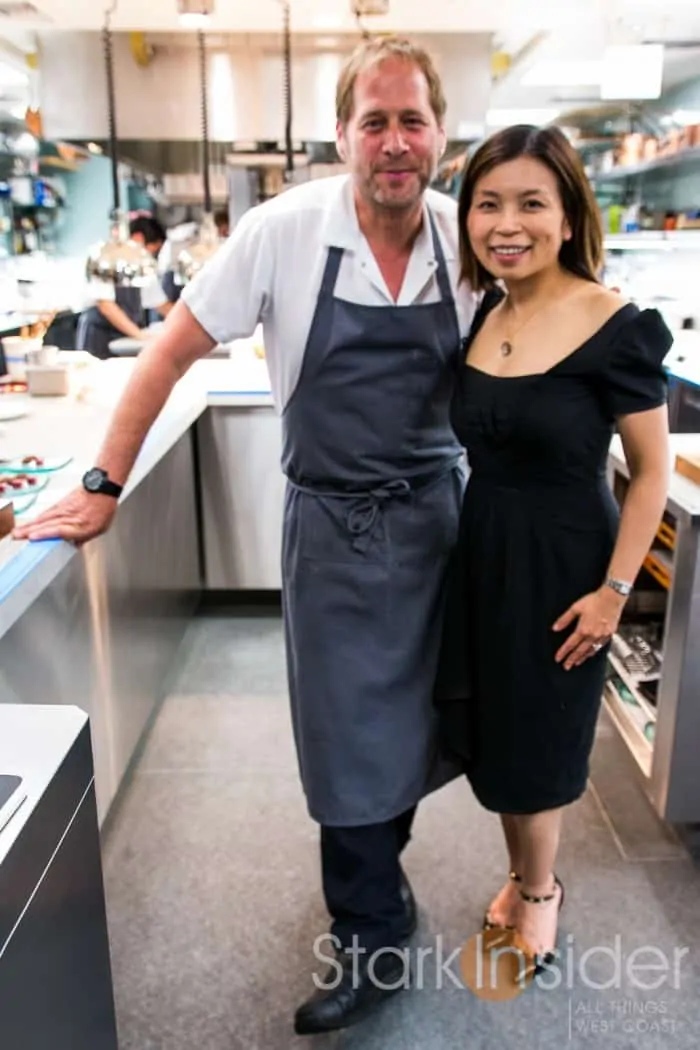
{"x": 122, "y": 311}
{"x": 355, "y": 280}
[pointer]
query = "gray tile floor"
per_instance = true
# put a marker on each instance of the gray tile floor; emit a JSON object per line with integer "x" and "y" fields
{"x": 214, "y": 900}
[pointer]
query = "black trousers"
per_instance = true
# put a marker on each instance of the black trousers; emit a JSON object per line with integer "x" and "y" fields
{"x": 361, "y": 881}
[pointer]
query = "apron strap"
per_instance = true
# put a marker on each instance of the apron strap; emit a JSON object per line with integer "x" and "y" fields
{"x": 330, "y": 274}
{"x": 441, "y": 273}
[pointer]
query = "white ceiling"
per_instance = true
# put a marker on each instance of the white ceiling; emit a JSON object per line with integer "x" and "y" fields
{"x": 313, "y": 15}
{"x": 565, "y": 29}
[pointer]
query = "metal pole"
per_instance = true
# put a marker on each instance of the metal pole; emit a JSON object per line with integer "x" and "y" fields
{"x": 205, "y": 121}
{"x": 288, "y": 87}
{"x": 111, "y": 105}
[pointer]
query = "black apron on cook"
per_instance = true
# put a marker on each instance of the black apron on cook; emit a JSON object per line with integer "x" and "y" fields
{"x": 95, "y": 332}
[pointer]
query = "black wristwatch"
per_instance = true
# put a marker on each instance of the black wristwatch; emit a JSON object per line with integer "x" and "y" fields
{"x": 97, "y": 480}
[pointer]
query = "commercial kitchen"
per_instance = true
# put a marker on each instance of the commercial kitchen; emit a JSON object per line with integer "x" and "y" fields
{"x": 159, "y": 885}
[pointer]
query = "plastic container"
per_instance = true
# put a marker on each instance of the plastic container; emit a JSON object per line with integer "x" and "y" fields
{"x": 15, "y": 349}
{"x": 48, "y": 380}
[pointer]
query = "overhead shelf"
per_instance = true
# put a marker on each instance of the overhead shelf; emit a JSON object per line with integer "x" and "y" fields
{"x": 672, "y": 160}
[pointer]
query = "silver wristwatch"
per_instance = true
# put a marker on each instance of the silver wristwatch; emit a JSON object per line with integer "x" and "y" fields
{"x": 620, "y": 586}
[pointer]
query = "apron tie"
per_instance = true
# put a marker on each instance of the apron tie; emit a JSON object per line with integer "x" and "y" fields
{"x": 362, "y": 518}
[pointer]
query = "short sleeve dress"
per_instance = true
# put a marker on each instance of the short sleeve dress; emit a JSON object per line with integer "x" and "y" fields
{"x": 537, "y": 531}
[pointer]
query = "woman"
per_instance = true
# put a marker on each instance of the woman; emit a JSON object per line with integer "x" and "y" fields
{"x": 550, "y": 366}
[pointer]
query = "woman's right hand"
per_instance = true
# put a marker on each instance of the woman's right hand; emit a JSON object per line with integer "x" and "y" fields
{"x": 78, "y": 517}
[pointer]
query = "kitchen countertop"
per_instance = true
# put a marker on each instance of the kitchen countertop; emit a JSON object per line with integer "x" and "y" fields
{"x": 76, "y": 426}
{"x": 683, "y": 494}
{"x": 34, "y": 740}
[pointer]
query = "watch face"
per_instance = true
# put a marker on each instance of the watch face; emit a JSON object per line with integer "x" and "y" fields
{"x": 93, "y": 479}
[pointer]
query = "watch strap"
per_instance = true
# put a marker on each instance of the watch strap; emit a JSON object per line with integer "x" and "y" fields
{"x": 110, "y": 488}
{"x": 621, "y": 587}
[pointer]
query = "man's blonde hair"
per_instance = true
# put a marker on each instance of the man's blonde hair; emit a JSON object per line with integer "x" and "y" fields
{"x": 370, "y": 53}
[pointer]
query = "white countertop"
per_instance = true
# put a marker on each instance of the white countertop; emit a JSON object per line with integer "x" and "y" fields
{"x": 682, "y": 493}
{"x": 34, "y": 741}
{"x": 76, "y": 426}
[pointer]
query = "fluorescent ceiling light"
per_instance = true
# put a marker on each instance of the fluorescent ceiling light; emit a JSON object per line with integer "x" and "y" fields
{"x": 563, "y": 74}
{"x": 632, "y": 71}
{"x": 192, "y": 20}
{"x": 502, "y": 118}
{"x": 195, "y": 14}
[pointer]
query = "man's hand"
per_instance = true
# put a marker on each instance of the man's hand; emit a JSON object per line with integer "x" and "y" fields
{"x": 78, "y": 517}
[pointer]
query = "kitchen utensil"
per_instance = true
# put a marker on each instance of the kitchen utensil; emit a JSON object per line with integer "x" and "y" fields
{"x": 34, "y": 464}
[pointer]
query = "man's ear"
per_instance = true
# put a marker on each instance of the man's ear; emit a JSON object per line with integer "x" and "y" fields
{"x": 442, "y": 143}
{"x": 340, "y": 141}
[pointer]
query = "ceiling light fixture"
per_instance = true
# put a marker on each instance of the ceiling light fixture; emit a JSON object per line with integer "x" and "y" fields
{"x": 632, "y": 71}
{"x": 195, "y": 14}
{"x": 503, "y": 118}
{"x": 563, "y": 74}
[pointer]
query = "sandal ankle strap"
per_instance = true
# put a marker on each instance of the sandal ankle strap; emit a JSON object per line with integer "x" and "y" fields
{"x": 530, "y": 899}
{"x": 514, "y": 877}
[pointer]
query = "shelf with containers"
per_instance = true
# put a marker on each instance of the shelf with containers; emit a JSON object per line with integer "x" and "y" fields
{"x": 649, "y": 183}
{"x": 653, "y": 680}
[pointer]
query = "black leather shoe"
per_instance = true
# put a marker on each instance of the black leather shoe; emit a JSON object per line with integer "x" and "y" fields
{"x": 409, "y": 902}
{"x": 352, "y": 996}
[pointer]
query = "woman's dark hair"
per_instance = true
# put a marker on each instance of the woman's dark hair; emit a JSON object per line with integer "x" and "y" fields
{"x": 583, "y": 254}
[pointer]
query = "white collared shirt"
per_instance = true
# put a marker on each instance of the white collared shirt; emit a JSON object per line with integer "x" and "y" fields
{"x": 271, "y": 267}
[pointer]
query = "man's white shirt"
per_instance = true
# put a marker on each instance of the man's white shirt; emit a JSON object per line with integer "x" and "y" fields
{"x": 271, "y": 267}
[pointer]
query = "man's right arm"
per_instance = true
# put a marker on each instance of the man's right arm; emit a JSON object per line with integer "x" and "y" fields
{"x": 117, "y": 317}
{"x": 81, "y": 515}
{"x": 225, "y": 301}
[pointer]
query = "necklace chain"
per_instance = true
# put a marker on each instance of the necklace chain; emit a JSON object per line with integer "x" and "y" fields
{"x": 507, "y": 344}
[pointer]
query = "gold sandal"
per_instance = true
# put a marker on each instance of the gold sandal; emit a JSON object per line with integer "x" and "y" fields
{"x": 488, "y": 923}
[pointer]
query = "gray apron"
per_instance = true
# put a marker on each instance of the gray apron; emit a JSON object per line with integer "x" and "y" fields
{"x": 372, "y": 506}
{"x": 95, "y": 333}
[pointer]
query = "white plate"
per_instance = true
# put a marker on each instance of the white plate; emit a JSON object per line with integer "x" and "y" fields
{"x": 13, "y": 406}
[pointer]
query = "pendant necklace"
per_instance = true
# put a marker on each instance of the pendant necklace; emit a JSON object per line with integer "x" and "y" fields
{"x": 507, "y": 344}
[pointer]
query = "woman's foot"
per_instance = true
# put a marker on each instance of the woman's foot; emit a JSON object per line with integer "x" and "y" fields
{"x": 536, "y": 922}
{"x": 502, "y": 911}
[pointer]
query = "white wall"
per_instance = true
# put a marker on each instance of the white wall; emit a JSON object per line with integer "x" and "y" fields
{"x": 161, "y": 101}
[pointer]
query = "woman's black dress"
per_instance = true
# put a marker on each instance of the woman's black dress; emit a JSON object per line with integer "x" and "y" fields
{"x": 537, "y": 532}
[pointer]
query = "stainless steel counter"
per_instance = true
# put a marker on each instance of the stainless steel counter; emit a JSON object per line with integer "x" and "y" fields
{"x": 55, "y": 973}
{"x": 102, "y": 635}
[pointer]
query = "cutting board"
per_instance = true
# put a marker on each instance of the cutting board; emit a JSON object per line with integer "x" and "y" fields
{"x": 688, "y": 464}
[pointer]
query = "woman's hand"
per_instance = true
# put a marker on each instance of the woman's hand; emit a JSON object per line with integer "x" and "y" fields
{"x": 598, "y": 615}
